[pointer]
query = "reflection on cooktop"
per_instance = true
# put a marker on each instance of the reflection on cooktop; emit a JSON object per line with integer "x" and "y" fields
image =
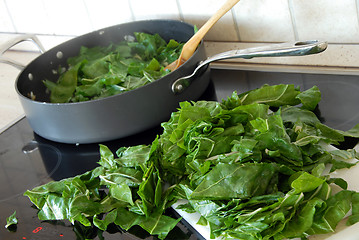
{"x": 28, "y": 169}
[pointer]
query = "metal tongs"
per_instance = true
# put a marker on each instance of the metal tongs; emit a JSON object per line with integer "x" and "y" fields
{"x": 299, "y": 48}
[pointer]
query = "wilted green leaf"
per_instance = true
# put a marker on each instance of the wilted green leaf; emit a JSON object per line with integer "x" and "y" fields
{"x": 11, "y": 220}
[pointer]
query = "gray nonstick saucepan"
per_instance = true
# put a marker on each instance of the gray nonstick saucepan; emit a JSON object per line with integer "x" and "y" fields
{"x": 124, "y": 114}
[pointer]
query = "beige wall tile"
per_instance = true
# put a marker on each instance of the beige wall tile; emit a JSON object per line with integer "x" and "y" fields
{"x": 264, "y": 21}
{"x": 67, "y": 17}
{"x": 330, "y": 20}
{"x": 199, "y": 11}
{"x": 249, "y": 21}
{"x": 29, "y": 16}
{"x": 5, "y": 20}
{"x": 155, "y": 9}
{"x": 108, "y": 12}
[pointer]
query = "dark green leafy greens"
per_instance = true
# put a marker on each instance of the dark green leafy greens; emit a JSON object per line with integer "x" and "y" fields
{"x": 254, "y": 166}
{"x": 100, "y": 72}
{"x": 11, "y": 222}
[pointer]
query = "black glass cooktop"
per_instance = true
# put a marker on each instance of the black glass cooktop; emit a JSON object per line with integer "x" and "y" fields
{"x": 28, "y": 160}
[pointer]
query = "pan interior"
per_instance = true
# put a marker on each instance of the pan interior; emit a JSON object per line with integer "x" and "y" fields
{"x": 29, "y": 83}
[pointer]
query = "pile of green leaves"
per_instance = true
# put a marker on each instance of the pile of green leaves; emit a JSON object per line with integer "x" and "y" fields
{"x": 99, "y": 72}
{"x": 254, "y": 166}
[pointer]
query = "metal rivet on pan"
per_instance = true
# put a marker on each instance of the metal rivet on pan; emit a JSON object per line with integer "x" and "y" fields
{"x": 179, "y": 88}
{"x": 59, "y": 55}
{"x": 30, "y": 76}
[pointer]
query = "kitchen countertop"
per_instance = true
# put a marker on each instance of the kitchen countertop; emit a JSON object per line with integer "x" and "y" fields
{"x": 10, "y": 107}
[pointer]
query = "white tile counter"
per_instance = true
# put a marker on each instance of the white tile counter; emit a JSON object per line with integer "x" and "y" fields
{"x": 10, "y": 107}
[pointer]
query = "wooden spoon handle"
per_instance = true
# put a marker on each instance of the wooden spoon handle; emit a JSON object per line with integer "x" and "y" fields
{"x": 191, "y": 45}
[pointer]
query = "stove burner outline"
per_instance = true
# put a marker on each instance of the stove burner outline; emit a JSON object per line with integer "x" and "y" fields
{"x": 30, "y": 148}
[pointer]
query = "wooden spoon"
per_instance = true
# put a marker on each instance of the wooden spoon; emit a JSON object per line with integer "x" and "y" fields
{"x": 191, "y": 45}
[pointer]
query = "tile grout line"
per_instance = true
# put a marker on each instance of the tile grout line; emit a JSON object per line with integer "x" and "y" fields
{"x": 10, "y": 16}
{"x": 131, "y": 10}
{"x": 235, "y": 22}
{"x": 88, "y": 15}
{"x": 292, "y": 17}
{"x": 46, "y": 14}
{"x": 180, "y": 12}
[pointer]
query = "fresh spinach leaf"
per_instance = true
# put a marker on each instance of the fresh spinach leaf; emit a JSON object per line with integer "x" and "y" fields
{"x": 253, "y": 166}
{"x": 226, "y": 181}
{"x": 11, "y": 221}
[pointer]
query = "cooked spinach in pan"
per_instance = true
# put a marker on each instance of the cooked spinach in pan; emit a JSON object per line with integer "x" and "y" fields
{"x": 100, "y": 72}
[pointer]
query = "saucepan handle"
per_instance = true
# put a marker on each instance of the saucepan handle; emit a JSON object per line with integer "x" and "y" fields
{"x": 12, "y": 42}
{"x": 299, "y": 48}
